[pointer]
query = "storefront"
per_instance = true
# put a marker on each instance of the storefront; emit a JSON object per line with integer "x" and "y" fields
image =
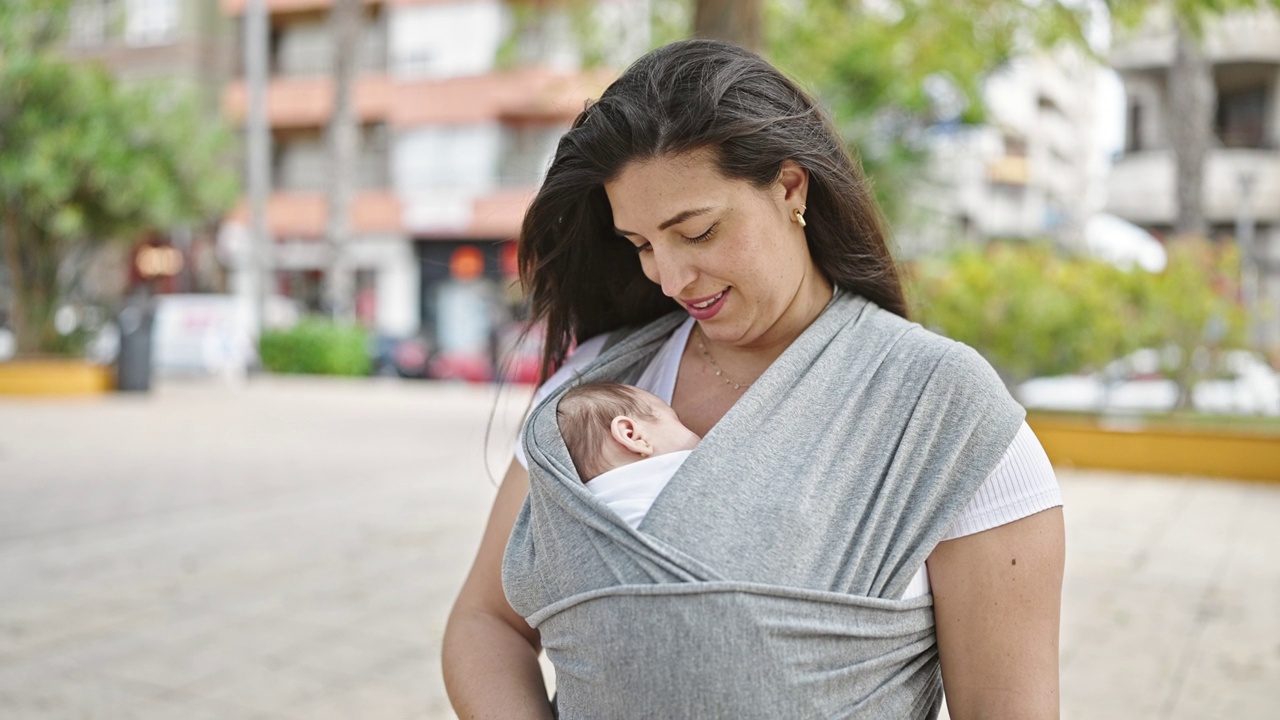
{"x": 470, "y": 304}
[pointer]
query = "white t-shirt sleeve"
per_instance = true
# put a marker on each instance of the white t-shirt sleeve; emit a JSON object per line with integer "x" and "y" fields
{"x": 1022, "y": 484}
{"x": 581, "y": 357}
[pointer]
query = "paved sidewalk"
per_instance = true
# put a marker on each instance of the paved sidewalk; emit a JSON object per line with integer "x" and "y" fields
{"x": 289, "y": 549}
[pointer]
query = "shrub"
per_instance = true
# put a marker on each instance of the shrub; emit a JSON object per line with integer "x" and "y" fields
{"x": 1031, "y": 310}
{"x": 316, "y": 347}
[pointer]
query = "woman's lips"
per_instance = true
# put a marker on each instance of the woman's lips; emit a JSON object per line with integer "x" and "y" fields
{"x": 706, "y": 308}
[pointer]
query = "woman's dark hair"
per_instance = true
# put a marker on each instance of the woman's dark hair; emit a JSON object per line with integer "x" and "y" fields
{"x": 687, "y": 96}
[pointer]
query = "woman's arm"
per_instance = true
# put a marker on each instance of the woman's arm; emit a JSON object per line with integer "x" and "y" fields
{"x": 997, "y": 598}
{"x": 490, "y": 653}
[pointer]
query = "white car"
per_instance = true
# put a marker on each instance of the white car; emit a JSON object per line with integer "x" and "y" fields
{"x": 1133, "y": 384}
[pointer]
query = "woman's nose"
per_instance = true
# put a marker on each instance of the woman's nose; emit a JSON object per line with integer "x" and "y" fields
{"x": 674, "y": 274}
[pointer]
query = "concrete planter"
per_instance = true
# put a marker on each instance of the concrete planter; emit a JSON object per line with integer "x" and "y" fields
{"x": 1111, "y": 444}
{"x": 54, "y": 377}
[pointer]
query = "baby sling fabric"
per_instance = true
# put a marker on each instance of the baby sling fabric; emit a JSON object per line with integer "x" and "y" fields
{"x": 765, "y": 580}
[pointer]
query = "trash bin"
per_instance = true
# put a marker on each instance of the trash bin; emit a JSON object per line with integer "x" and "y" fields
{"x": 133, "y": 365}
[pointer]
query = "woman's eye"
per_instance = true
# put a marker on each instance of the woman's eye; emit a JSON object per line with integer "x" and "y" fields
{"x": 704, "y": 236}
{"x": 643, "y": 248}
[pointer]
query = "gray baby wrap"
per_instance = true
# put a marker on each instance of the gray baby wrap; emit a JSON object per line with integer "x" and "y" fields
{"x": 765, "y": 580}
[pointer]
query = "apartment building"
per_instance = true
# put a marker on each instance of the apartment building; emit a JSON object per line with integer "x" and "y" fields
{"x": 1242, "y": 170}
{"x": 1027, "y": 171}
{"x": 460, "y": 104}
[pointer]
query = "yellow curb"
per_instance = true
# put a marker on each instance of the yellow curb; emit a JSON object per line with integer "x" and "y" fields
{"x": 54, "y": 377}
{"x": 1115, "y": 445}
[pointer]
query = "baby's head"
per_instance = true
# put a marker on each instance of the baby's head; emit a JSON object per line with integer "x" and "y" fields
{"x": 607, "y": 425}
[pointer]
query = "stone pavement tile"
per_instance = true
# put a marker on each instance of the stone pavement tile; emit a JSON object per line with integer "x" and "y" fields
{"x": 372, "y": 700}
{"x": 261, "y": 686}
{"x": 1199, "y": 536}
{"x": 1144, "y": 628}
{"x": 338, "y": 653}
{"x": 105, "y": 699}
{"x": 179, "y": 664}
{"x": 1233, "y": 669}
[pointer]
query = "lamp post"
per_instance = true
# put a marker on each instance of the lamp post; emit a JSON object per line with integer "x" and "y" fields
{"x": 1245, "y": 240}
{"x": 256, "y": 38}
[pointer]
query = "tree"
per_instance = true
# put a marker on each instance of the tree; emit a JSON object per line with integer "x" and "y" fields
{"x": 344, "y": 155}
{"x": 85, "y": 161}
{"x": 889, "y": 71}
{"x": 1033, "y": 311}
{"x": 1028, "y": 309}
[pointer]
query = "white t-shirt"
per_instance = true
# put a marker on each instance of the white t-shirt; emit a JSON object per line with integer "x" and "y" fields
{"x": 630, "y": 490}
{"x": 1022, "y": 483}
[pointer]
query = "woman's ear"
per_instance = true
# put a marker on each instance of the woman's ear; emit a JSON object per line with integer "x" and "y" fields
{"x": 626, "y": 432}
{"x": 794, "y": 181}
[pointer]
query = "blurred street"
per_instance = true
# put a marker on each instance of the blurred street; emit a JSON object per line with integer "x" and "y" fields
{"x": 290, "y": 549}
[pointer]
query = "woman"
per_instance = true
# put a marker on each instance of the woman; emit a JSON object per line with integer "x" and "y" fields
{"x": 866, "y": 507}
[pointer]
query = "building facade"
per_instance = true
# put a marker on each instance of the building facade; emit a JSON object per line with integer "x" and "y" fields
{"x": 460, "y": 105}
{"x": 1027, "y": 172}
{"x": 1242, "y": 169}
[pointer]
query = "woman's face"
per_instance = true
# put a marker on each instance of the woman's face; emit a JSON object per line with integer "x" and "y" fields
{"x": 729, "y": 252}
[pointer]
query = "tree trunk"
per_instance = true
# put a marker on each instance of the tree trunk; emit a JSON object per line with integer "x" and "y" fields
{"x": 1192, "y": 98}
{"x": 32, "y": 261}
{"x": 345, "y": 21}
{"x": 738, "y": 21}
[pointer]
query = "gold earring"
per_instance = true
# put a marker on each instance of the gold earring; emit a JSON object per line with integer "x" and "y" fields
{"x": 799, "y": 214}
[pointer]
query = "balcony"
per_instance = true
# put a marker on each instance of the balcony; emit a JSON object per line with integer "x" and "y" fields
{"x": 493, "y": 215}
{"x": 308, "y": 102}
{"x": 526, "y": 95}
{"x": 236, "y": 8}
{"x": 303, "y": 215}
{"x": 1141, "y": 187}
{"x": 1241, "y": 37}
{"x": 1009, "y": 170}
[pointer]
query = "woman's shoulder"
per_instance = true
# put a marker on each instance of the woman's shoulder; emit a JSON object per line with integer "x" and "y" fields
{"x": 950, "y": 361}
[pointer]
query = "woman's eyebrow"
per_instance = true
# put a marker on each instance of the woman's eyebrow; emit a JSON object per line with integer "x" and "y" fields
{"x": 674, "y": 220}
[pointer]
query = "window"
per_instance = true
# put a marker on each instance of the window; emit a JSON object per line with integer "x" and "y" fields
{"x": 307, "y": 48}
{"x": 1133, "y": 140}
{"x": 446, "y": 40}
{"x": 526, "y": 153}
{"x": 1241, "y": 118}
{"x": 302, "y": 162}
{"x": 150, "y": 22}
{"x": 460, "y": 158}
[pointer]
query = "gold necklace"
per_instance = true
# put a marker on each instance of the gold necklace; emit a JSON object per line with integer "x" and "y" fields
{"x": 715, "y": 365}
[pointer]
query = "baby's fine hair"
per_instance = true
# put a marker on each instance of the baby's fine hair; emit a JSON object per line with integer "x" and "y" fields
{"x": 585, "y": 415}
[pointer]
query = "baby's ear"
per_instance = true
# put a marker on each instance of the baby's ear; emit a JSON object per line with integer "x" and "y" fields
{"x": 626, "y": 432}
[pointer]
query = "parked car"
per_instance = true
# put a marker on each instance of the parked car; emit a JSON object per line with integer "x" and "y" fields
{"x": 1243, "y": 384}
{"x": 472, "y": 367}
{"x": 406, "y": 357}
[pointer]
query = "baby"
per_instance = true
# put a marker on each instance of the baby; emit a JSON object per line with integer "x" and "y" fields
{"x": 624, "y": 442}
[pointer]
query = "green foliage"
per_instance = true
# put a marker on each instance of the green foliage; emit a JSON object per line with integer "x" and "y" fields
{"x": 1191, "y": 307}
{"x": 316, "y": 347}
{"x": 535, "y": 22}
{"x": 85, "y": 160}
{"x": 1027, "y": 309}
{"x": 882, "y": 69}
{"x": 1033, "y": 311}
{"x": 1192, "y": 14}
